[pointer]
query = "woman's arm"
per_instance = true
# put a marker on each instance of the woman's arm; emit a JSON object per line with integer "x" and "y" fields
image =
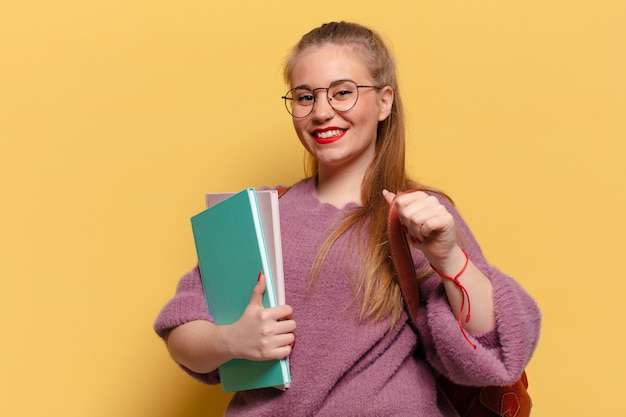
{"x": 477, "y": 286}
{"x": 431, "y": 228}
{"x": 501, "y": 353}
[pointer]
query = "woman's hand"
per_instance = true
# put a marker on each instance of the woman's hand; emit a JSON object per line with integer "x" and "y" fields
{"x": 261, "y": 333}
{"x": 428, "y": 226}
{"x": 431, "y": 228}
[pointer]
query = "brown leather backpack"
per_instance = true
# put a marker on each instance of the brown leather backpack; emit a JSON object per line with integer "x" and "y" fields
{"x": 490, "y": 401}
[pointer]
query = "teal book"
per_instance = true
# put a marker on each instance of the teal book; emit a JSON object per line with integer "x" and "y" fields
{"x": 270, "y": 219}
{"x": 231, "y": 248}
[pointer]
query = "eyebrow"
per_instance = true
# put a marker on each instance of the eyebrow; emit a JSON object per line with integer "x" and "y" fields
{"x": 308, "y": 87}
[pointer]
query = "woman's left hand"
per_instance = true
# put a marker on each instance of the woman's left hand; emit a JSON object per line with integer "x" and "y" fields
{"x": 427, "y": 223}
{"x": 431, "y": 228}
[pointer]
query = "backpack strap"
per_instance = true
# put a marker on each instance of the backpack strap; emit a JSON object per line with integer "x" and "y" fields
{"x": 403, "y": 264}
{"x": 282, "y": 190}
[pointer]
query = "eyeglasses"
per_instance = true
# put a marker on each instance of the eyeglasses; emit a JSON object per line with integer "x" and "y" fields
{"x": 342, "y": 96}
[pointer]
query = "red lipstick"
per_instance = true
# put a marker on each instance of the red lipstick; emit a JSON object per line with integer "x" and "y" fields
{"x": 328, "y": 135}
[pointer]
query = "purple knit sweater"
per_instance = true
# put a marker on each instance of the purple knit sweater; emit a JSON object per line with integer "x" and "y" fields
{"x": 342, "y": 367}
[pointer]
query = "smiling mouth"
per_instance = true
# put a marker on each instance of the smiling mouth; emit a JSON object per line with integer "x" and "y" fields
{"x": 328, "y": 136}
{"x": 329, "y": 133}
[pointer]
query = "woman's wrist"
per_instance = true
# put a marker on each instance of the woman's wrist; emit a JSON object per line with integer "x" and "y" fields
{"x": 464, "y": 294}
{"x": 452, "y": 264}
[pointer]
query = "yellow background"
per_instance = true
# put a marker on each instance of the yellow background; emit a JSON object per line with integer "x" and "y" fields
{"x": 116, "y": 117}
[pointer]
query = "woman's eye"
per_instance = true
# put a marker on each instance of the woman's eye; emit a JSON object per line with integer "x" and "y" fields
{"x": 342, "y": 94}
{"x": 305, "y": 99}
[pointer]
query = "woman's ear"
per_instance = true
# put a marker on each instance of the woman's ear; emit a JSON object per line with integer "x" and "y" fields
{"x": 386, "y": 101}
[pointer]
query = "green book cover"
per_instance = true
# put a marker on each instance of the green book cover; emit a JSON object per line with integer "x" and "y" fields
{"x": 231, "y": 251}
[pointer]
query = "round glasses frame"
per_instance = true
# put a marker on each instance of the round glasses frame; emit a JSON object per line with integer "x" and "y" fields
{"x": 342, "y": 96}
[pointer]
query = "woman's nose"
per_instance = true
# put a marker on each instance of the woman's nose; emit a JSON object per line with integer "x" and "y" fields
{"x": 323, "y": 110}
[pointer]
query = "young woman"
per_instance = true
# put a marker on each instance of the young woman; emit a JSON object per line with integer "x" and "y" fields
{"x": 355, "y": 352}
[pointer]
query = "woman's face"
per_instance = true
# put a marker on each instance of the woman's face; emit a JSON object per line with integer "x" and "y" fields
{"x": 339, "y": 140}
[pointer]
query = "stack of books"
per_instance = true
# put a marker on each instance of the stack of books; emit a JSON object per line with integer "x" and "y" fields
{"x": 237, "y": 236}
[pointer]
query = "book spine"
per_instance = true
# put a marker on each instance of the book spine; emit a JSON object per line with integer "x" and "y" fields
{"x": 267, "y": 270}
{"x": 269, "y": 278}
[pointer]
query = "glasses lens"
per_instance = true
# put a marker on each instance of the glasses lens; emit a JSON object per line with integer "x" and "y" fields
{"x": 299, "y": 101}
{"x": 343, "y": 95}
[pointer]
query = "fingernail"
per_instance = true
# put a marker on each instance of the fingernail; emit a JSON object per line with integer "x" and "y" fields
{"x": 258, "y": 278}
{"x": 414, "y": 239}
{"x": 404, "y": 228}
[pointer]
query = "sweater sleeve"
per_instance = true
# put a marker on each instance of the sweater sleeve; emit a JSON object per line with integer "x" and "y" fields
{"x": 188, "y": 304}
{"x": 501, "y": 354}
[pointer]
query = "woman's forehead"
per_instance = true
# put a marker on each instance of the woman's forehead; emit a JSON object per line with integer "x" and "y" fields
{"x": 321, "y": 65}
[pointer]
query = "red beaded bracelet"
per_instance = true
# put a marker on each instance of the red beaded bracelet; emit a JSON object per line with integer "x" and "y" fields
{"x": 464, "y": 294}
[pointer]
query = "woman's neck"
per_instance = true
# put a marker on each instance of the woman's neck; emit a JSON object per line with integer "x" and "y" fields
{"x": 339, "y": 187}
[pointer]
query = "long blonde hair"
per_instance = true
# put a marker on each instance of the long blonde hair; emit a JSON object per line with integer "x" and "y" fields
{"x": 381, "y": 293}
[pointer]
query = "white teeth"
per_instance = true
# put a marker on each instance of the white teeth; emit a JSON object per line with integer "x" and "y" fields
{"x": 329, "y": 133}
